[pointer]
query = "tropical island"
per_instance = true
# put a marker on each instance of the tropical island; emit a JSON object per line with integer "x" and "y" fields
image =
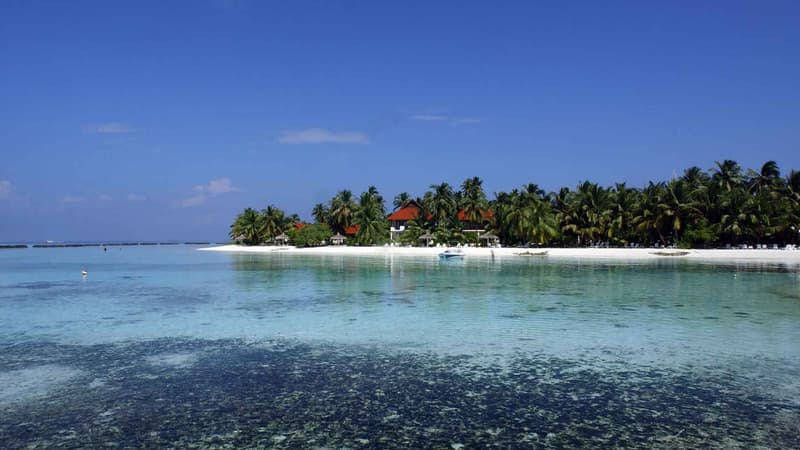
{"x": 725, "y": 207}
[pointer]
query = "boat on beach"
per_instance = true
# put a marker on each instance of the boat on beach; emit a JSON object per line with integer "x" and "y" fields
{"x": 671, "y": 253}
{"x": 449, "y": 254}
{"x": 527, "y": 253}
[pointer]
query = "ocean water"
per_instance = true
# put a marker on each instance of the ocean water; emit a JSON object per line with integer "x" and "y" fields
{"x": 167, "y": 346}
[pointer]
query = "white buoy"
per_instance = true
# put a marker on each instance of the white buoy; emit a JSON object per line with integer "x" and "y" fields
{"x": 84, "y": 272}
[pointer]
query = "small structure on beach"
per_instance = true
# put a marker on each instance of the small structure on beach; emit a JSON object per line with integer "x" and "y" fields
{"x": 427, "y": 237}
{"x": 491, "y": 239}
{"x": 337, "y": 239}
{"x": 281, "y": 238}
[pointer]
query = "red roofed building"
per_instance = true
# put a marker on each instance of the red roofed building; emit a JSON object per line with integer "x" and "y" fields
{"x": 475, "y": 226}
{"x": 410, "y": 211}
{"x": 397, "y": 220}
{"x": 351, "y": 230}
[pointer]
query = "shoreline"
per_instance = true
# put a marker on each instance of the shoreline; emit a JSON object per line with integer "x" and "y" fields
{"x": 732, "y": 255}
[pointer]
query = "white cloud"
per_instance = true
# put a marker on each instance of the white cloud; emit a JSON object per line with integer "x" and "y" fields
{"x": 5, "y": 188}
{"x": 323, "y": 136}
{"x": 450, "y": 120}
{"x": 108, "y": 128}
{"x": 466, "y": 120}
{"x": 429, "y": 117}
{"x": 213, "y": 188}
{"x": 136, "y": 198}
{"x": 105, "y": 197}
{"x": 196, "y": 200}
{"x": 72, "y": 199}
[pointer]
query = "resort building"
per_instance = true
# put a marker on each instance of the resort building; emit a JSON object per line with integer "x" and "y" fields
{"x": 410, "y": 211}
{"x": 475, "y": 227}
{"x": 351, "y": 230}
{"x": 397, "y": 220}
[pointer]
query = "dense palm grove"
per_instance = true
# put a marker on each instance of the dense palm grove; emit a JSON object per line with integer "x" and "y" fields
{"x": 724, "y": 206}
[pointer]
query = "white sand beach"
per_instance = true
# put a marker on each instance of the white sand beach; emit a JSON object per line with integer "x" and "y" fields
{"x": 788, "y": 256}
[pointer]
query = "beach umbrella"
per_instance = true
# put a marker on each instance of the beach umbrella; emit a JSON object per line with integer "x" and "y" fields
{"x": 427, "y": 237}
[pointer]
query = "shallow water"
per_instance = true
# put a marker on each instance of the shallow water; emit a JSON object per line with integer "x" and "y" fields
{"x": 168, "y": 346}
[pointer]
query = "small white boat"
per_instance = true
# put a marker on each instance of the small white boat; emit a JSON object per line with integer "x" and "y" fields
{"x": 456, "y": 253}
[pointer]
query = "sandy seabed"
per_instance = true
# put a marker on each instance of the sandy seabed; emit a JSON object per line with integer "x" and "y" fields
{"x": 732, "y": 255}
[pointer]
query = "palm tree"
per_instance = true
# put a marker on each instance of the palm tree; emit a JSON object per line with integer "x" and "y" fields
{"x": 370, "y": 218}
{"x": 591, "y": 208}
{"x": 273, "y": 223}
{"x": 651, "y": 212}
{"x": 727, "y": 175}
{"x": 342, "y": 210}
{"x": 790, "y": 210}
{"x": 768, "y": 177}
{"x": 525, "y": 216}
{"x": 443, "y": 203}
{"x": 765, "y": 216}
{"x": 373, "y": 191}
{"x": 473, "y": 200}
{"x": 320, "y": 213}
{"x": 566, "y": 217}
{"x": 695, "y": 176}
{"x": 621, "y": 203}
{"x": 719, "y": 206}
{"x": 696, "y": 185}
{"x": 247, "y": 227}
{"x": 678, "y": 207}
{"x": 793, "y": 187}
{"x": 413, "y": 231}
{"x": 738, "y": 215}
{"x": 291, "y": 221}
{"x": 400, "y": 200}
{"x": 425, "y": 217}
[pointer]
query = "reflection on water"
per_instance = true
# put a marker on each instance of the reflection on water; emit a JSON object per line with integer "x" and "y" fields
{"x": 655, "y": 312}
{"x": 663, "y": 311}
{"x": 552, "y": 352}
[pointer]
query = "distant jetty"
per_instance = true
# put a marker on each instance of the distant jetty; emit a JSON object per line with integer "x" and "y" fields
{"x": 64, "y": 245}
{"x": 101, "y": 244}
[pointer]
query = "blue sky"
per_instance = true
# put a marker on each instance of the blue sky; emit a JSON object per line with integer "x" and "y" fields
{"x": 162, "y": 120}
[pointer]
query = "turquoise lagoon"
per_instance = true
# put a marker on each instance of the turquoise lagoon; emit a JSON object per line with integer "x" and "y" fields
{"x": 167, "y": 346}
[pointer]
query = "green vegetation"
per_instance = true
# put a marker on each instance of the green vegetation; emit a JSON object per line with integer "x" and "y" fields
{"x": 370, "y": 218}
{"x": 723, "y": 206}
{"x": 310, "y": 235}
{"x": 254, "y": 228}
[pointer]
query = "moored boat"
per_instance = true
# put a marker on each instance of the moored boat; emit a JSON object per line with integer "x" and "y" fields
{"x": 448, "y": 254}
